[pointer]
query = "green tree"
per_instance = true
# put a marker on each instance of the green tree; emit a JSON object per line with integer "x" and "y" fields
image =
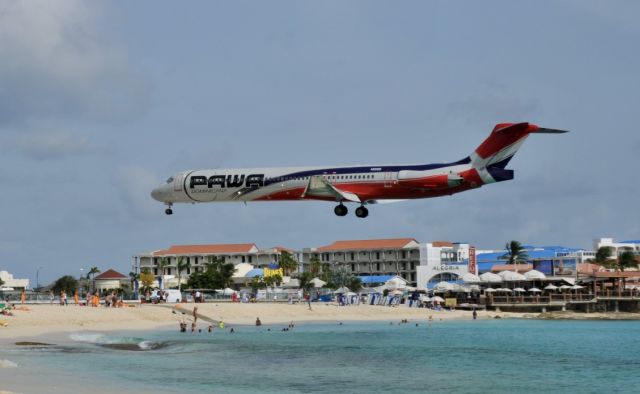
{"x": 217, "y": 274}
{"x": 515, "y": 252}
{"x": 181, "y": 265}
{"x": 624, "y": 261}
{"x": 287, "y": 263}
{"x": 355, "y": 284}
{"x": 256, "y": 284}
{"x": 92, "y": 274}
{"x": 67, "y": 283}
{"x": 305, "y": 281}
{"x": 272, "y": 280}
{"x": 315, "y": 266}
{"x": 603, "y": 255}
{"x": 146, "y": 280}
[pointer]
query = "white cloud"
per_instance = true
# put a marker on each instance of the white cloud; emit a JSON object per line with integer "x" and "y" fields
{"x": 55, "y": 63}
{"x": 133, "y": 185}
{"x": 53, "y": 145}
{"x": 494, "y": 102}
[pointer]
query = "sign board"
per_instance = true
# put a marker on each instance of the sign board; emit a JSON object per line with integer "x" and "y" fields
{"x": 473, "y": 266}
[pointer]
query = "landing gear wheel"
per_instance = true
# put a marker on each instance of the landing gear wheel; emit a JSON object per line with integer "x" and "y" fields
{"x": 168, "y": 211}
{"x": 340, "y": 210}
{"x": 362, "y": 212}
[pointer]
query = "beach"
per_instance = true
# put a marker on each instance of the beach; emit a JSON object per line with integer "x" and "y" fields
{"x": 41, "y": 320}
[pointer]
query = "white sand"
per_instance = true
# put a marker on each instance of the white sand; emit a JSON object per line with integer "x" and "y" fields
{"x": 47, "y": 319}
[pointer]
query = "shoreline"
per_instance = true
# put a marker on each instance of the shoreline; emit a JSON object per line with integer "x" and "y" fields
{"x": 53, "y": 321}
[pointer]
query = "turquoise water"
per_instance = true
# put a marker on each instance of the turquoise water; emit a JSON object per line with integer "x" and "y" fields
{"x": 497, "y": 356}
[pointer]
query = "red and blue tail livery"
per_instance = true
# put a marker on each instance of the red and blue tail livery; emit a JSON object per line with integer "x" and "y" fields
{"x": 362, "y": 184}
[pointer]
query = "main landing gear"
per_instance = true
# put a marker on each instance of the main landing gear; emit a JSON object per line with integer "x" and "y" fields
{"x": 341, "y": 210}
{"x": 169, "y": 211}
{"x": 362, "y": 212}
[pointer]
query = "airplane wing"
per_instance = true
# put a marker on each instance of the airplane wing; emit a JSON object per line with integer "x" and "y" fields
{"x": 319, "y": 187}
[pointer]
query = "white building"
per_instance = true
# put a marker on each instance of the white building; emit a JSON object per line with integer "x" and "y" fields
{"x": 443, "y": 261}
{"x": 618, "y": 247}
{"x": 11, "y": 282}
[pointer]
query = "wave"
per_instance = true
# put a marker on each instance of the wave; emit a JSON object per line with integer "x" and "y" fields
{"x": 4, "y": 363}
{"x": 119, "y": 343}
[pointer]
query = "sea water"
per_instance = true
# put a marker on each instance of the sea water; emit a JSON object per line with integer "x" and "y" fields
{"x": 496, "y": 356}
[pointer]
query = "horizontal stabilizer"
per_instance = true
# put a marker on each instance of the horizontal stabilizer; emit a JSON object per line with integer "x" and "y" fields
{"x": 550, "y": 131}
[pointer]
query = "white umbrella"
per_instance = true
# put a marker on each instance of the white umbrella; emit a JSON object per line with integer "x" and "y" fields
{"x": 342, "y": 290}
{"x": 534, "y": 275}
{"x": 437, "y": 299}
{"x": 396, "y": 292}
{"x": 318, "y": 282}
{"x": 443, "y": 286}
{"x": 471, "y": 278}
{"x": 490, "y": 277}
{"x": 489, "y": 290}
{"x": 519, "y": 289}
{"x": 576, "y": 287}
{"x": 510, "y": 276}
{"x": 535, "y": 290}
{"x": 551, "y": 287}
{"x": 504, "y": 290}
{"x": 565, "y": 287}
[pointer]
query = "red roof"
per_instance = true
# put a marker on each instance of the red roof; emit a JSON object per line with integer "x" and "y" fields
{"x": 205, "y": 249}
{"x": 280, "y": 249}
{"x": 110, "y": 274}
{"x": 368, "y": 244}
{"x": 442, "y": 244}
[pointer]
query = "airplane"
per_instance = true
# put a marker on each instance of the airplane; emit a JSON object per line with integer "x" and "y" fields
{"x": 360, "y": 184}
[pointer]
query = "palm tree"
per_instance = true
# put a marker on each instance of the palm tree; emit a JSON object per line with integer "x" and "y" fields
{"x": 181, "y": 265}
{"x": 515, "y": 252}
{"x": 315, "y": 266}
{"x": 92, "y": 274}
{"x": 624, "y": 261}
{"x": 287, "y": 262}
{"x": 164, "y": 263}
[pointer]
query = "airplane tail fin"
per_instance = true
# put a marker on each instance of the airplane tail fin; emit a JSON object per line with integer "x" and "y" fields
{"x": 496, "y": 151}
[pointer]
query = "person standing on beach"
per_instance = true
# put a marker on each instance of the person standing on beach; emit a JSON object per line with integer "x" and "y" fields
{"x": 475, "y": 314}
{"x": 23, "y": 296}
{"x": 51, "y": 296}
{"x": 75, "y": 297}
{"x": 195, "y": 314}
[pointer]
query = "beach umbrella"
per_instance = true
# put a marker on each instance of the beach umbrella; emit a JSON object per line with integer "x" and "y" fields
{"x": 396, "y": 292}
{"x": 490, "y": 290}
{"x": 510, "y": 276}
{"x": 565, "y": 287}
{"x": 535, "y": 290}
{"x": 576, "y": 287}
{"x": 342, "y": 290}
{"x": 471, "y": 278}
{"x": 534, "y": 275}
{"x": 490, "y": 277}
{"x": 317, "y": 282}
{"x": 443, "y": 286}
{"x": 519, "y": 289}
{"x": 551, "y": 287}
{"x": 504, "y": 290}
{"x": 437, "y": 299}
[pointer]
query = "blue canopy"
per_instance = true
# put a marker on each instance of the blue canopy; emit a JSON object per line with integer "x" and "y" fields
{"x": 273, "y": 266}
{"x": 369, "y": 279}
{"x": 254, "y": 272}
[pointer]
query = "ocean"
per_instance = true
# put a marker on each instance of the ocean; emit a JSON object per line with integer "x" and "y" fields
{"x": 496, "y": 356}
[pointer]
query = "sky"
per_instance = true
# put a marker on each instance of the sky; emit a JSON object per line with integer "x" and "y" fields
{"x": 102, "y": 101}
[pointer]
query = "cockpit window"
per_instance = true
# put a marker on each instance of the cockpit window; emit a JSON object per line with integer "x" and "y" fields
{"x": 170, "y": 180}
